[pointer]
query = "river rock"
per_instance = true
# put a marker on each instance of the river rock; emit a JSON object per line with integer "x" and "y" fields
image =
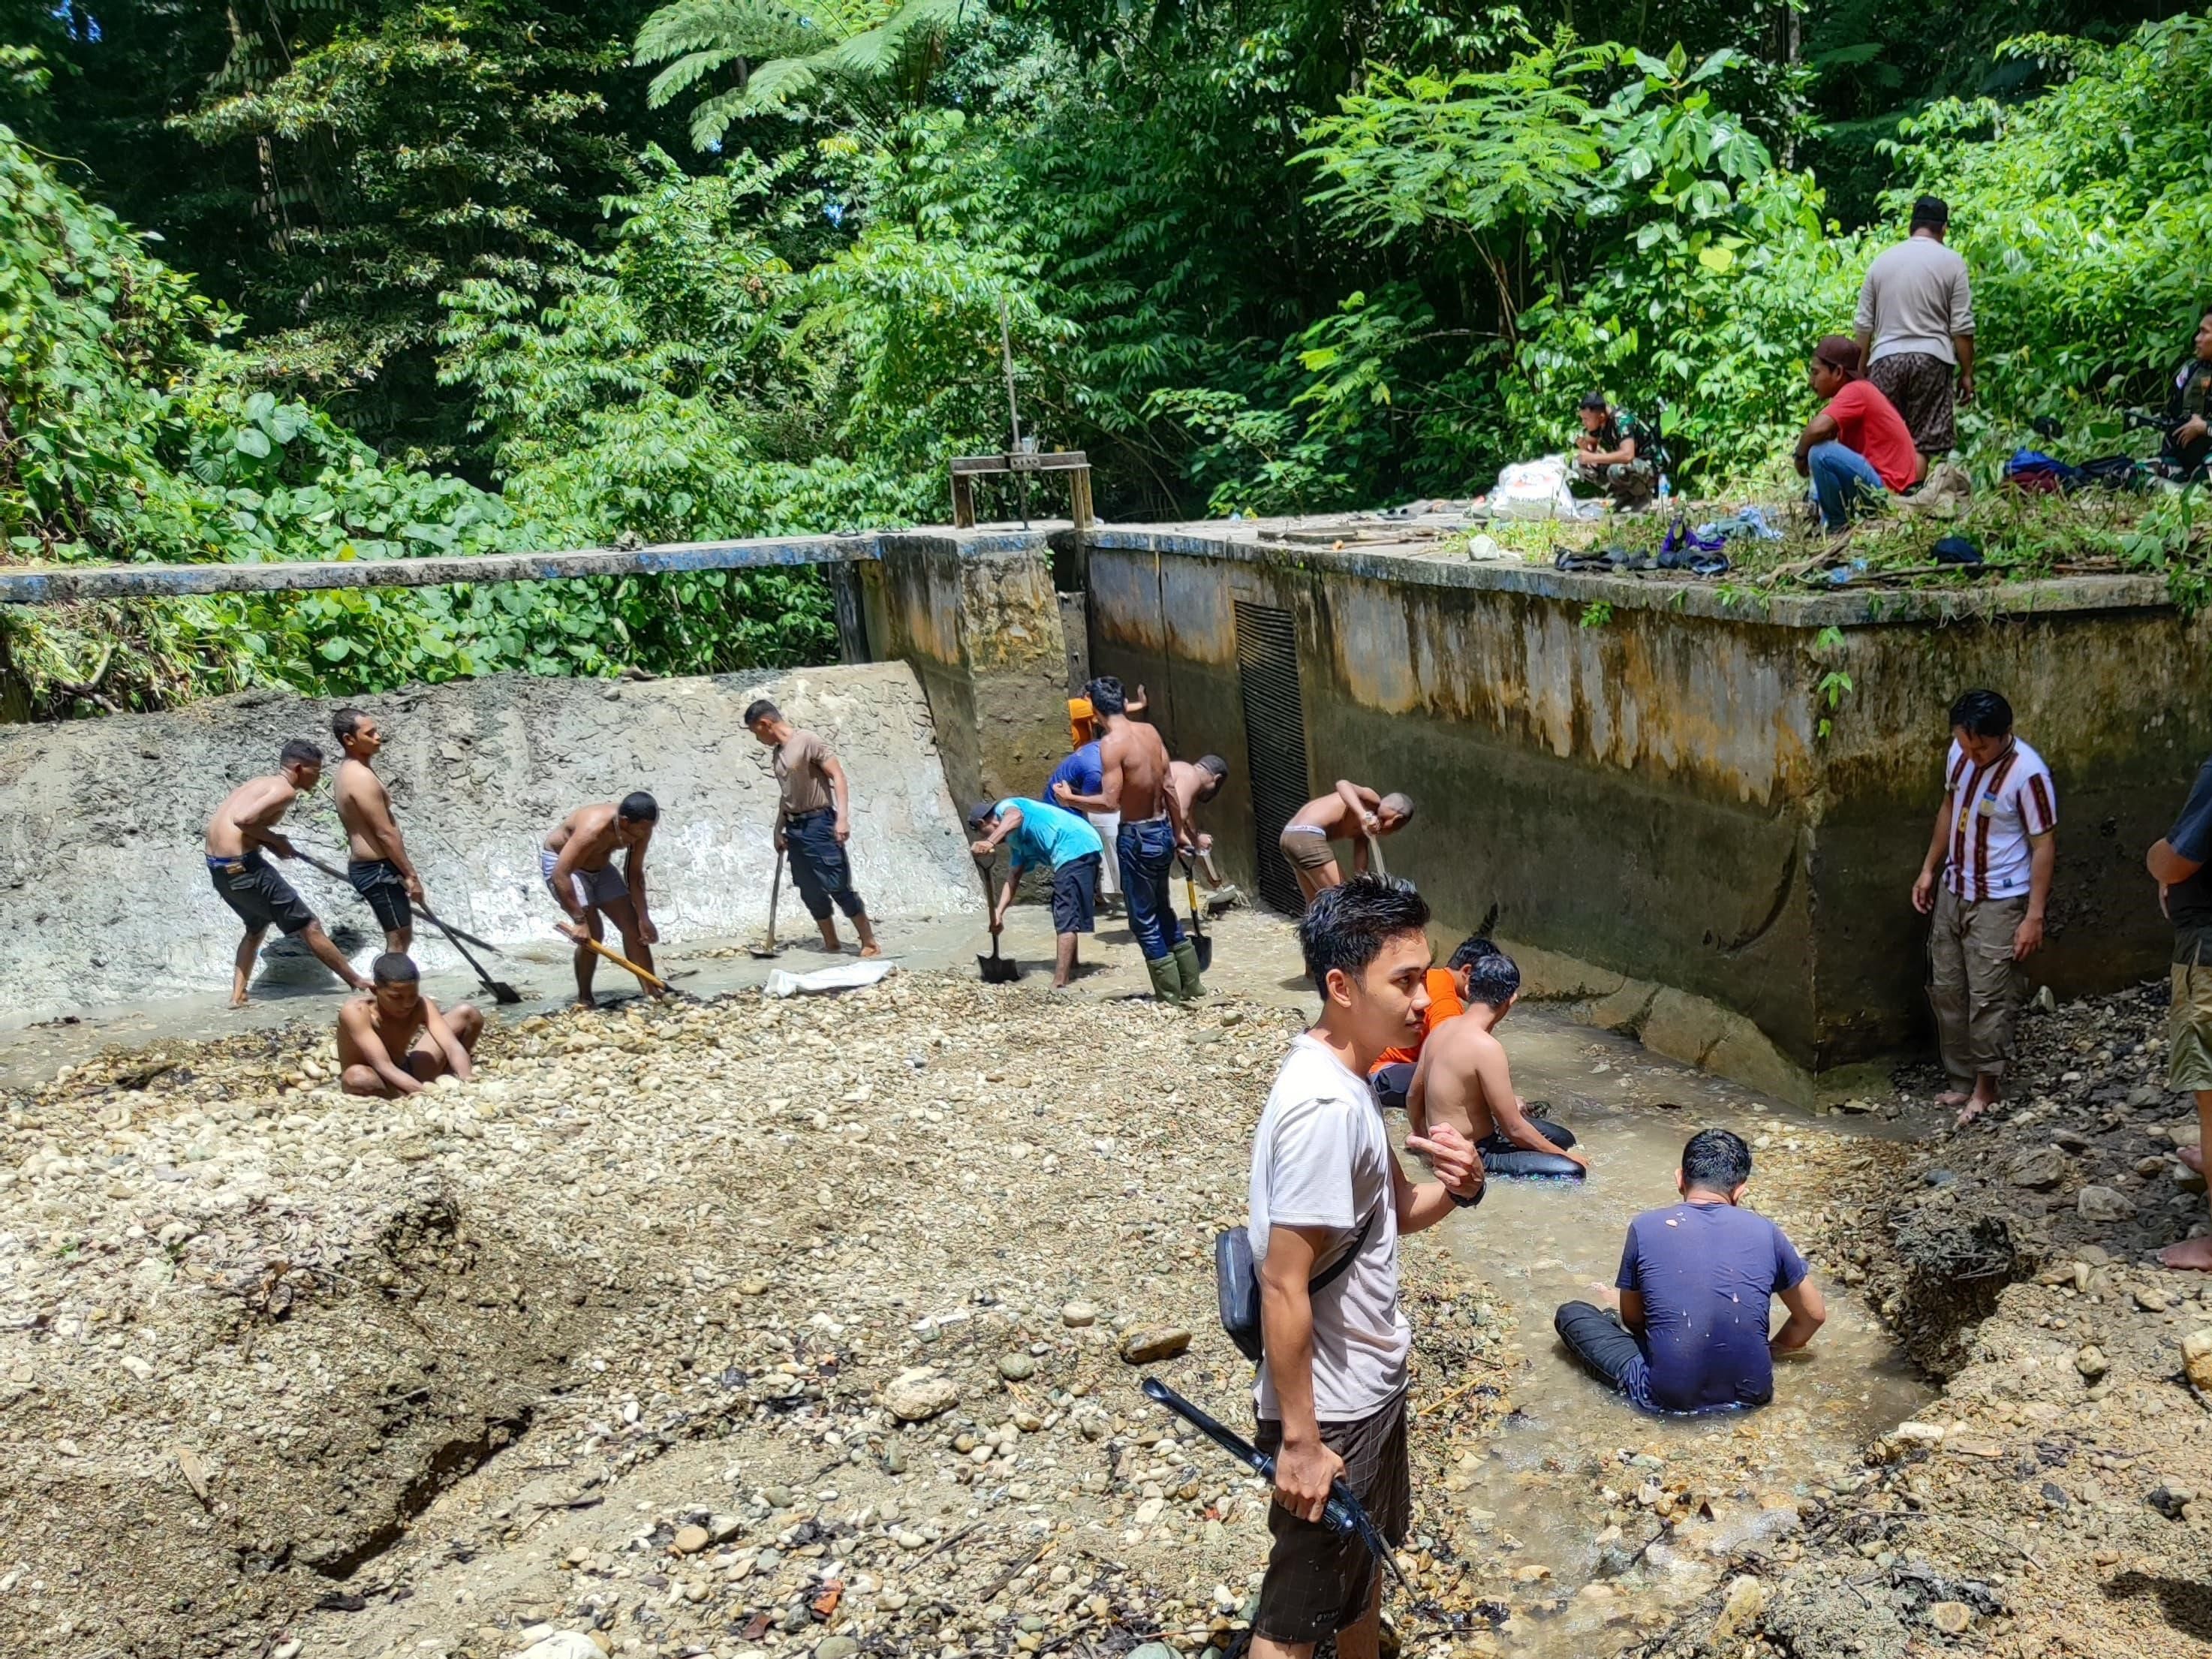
{"x": 1952, "y": 1617}
{"x": 1153, "y": 1650}
{"x": 918, "y": 1394}
{"x": 564, "y": 1644}
{"x": 2041, "y": 1168}
{"x": 1746, "y": 1599}
{"x": 837, "y": 1647}
{"x": 1148, "y": 1343}
{"x": 2197, "y": 1357}
{"x": 1017, "y": 1367}
{"x": 2103, "y": 1204}
{"x": 690, "y": 1540}
{"x": 1077, "y": 1314}
{"x": 2090, "y": 1361}
{"x": 2152, "y": 1299}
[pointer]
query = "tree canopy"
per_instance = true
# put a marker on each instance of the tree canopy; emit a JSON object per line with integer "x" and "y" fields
{"x": 391, "y": 276}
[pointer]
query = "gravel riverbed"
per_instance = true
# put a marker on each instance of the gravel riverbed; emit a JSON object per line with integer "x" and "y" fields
{"x": 782, "y": 1329}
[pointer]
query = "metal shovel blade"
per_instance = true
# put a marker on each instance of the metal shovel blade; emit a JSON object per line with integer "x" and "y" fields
{"x": 997, "y": 969}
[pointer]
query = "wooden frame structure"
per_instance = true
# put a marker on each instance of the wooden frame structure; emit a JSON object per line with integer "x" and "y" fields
{"x": 967, "y": 468}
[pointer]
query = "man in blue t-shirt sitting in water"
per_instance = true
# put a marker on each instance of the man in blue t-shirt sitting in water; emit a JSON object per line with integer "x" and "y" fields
{"x": 1692, "y": 1295}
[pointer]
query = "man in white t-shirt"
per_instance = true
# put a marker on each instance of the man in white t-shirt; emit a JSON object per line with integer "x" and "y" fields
{"x": 1986, "y": 880}
{"x": 1328, "y": 1204}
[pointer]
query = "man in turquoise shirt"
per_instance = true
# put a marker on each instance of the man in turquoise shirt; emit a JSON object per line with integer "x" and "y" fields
{"x": 1038, "y": 833}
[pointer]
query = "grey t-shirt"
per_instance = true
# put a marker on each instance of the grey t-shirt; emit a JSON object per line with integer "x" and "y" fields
{"x": 1323, "y": 1158}
{"x": 1915, "y": 298}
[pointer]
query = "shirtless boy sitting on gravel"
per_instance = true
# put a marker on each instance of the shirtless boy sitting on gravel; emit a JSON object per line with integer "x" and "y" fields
{"x": 393, "y": 1040}
{"x": 1463, "y": 1079}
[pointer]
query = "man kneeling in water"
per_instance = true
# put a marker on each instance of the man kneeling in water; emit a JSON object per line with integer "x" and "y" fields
{"x": 1692, "y": 1295}
{"x": 1462, "y": 1077}
{"x": 393, "y": 1040}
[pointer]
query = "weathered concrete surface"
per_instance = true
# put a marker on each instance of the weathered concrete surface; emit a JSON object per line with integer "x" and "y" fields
{"x": 1647, "y": 794}
{"x": 104, "y": 897}
{"x": 976, "y": 616}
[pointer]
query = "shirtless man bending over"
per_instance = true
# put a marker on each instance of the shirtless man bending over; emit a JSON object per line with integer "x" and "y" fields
{"x": 242, "y": 826}
{"x": 1353, "y": 813}
{"x": 1133, "y": 775}
{"x": 1193, "y": 783}
{"x": 376, "y": 855}
{"x": 395, "y": 1042}
{"x": 577, "y": 861}
{"x": 1463, "y": 1079}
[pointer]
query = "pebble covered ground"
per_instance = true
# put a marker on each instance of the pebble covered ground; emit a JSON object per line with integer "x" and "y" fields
{"x": 814, "y": 1327}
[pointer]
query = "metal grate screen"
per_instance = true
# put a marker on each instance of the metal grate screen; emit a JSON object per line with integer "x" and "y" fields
{"x": 1274, "y": 739}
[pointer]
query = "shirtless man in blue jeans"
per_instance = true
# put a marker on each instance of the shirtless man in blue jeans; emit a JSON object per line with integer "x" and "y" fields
{"x": 1693, "y": 1289}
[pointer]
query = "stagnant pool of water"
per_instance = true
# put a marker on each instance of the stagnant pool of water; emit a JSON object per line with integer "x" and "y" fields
{"x": 1541, "y": 1243}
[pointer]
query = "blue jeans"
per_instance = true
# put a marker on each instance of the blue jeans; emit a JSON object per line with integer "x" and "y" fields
{"x": 1146, "y": 853}
{"x": 1842, "y": 478}
{"x": 819, "y": 868}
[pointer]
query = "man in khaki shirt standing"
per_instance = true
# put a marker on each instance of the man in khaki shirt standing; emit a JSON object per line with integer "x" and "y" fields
{"x": 813, "y": 821}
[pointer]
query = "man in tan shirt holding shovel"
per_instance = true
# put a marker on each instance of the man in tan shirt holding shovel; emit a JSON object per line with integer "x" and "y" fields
{"x": 814, "y": 820}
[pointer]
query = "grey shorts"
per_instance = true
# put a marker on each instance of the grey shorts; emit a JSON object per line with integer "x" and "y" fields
{"x": 593, "y": 888}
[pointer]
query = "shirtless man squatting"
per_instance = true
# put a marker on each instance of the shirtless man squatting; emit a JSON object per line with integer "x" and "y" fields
{"x": 577, "y": 861}
{"x": 376, "y": 854}
{"x": 242, "y": 827}
{"x": 394, "y": 1041}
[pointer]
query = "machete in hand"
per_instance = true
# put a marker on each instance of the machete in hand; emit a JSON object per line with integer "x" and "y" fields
{"x": 1343, "y": 1514}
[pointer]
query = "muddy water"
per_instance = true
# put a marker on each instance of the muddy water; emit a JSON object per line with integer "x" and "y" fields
{"x": 1541, "y": 1243}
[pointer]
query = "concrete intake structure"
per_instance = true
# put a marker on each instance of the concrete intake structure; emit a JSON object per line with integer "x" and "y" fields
{"x": 104, "y": 897}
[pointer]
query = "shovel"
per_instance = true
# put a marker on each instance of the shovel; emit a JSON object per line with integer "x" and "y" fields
{"x": 1199, "y": 941}
{"x": 651, "y": 981}
{"x": 501, "y": 992}
{"x": 768, "y": 947}
{"x": 453, "y": 934}
{"x": 995, "y": 968}
{"x": 1375, "y": 864}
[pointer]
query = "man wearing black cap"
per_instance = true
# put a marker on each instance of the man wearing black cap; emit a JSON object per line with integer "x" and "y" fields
{"x": 1609, "y": 453}
{"x": 1916, "y": 329}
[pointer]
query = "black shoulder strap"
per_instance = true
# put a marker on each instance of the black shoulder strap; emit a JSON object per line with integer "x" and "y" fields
{"x": 1336, "y": 1269}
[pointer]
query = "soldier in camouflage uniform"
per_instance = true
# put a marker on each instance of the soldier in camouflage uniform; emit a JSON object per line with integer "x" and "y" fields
{"x": 2189, "y": 445}
{"x": 1611, "y": 454}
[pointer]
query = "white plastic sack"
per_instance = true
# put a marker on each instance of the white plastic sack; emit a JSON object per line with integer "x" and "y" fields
{"x": 846, "y": 976}
{"x": 1533, "y": 490}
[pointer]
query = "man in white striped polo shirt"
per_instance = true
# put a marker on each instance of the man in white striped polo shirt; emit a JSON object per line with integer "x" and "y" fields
{"x": 1987, "y": 881}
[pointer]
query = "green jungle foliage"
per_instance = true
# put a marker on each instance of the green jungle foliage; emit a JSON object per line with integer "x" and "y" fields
{"x": 495, "y": 274}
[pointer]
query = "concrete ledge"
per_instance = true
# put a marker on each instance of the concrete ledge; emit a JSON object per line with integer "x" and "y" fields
{"x": 1415, "y": 563}
{"x": 65, "y": 584}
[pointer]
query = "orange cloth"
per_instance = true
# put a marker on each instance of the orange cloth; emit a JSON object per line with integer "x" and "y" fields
{"x": 1081, "y": 722}
{"x": 1443, "y": 1003}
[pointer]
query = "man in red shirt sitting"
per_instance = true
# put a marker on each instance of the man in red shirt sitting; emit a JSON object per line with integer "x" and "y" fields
{"x": 1858, "y": 447}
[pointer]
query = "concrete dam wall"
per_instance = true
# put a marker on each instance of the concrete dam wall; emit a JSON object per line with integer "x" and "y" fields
{"x": 104, "y": 899}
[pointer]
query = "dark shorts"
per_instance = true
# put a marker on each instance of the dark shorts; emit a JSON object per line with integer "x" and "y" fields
{"x": 1075, "y": 896}
{"x": 378, "y": 881}
{"x": 819, "y": 868}
{"x": 1319, "y": 1583}
{"x": 262, "y": 898}
{"x": 1923, "y": 389}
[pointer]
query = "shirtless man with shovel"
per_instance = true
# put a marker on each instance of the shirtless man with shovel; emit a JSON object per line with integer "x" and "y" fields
{"x": 577, "y": 861}
{"x": 242, "y": 827}
{"x": 1133, "y": 782}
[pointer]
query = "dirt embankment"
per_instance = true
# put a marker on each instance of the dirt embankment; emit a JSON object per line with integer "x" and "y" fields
{"x": 2058, "y": 1500}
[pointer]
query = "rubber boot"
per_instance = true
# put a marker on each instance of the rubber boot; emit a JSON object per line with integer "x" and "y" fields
{"x": 1186, "y": 961}
{"x": 1167, "y": 978}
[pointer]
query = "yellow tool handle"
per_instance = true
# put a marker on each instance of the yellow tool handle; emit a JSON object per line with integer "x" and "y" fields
{"x": 621, "y": 961}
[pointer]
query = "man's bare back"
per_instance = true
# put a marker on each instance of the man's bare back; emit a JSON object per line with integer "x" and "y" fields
{"x": 593, "y": 827}
{"x": 1463, "y": 1079}
{"x": 247, "y": 818}
{"x": 1133, "y": 750}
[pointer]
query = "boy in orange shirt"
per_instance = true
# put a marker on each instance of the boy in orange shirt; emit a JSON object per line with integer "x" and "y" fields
{"x": 1447, "y": 986}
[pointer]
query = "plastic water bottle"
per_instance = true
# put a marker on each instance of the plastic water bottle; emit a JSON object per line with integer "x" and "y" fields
{"x": 1666, "y": 488}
